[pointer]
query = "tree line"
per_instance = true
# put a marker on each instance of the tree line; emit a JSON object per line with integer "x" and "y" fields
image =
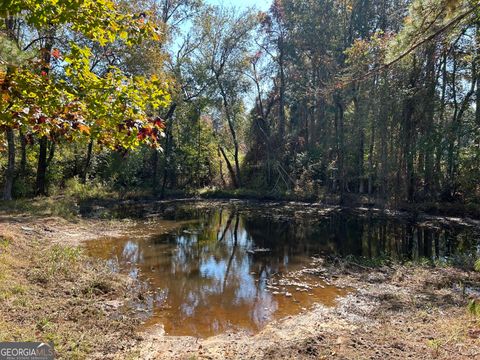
{"x": 342, "y": 98}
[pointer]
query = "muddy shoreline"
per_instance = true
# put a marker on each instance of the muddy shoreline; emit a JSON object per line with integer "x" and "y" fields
{"x": 396, "y": 311}
{"x": 152, "y": 207}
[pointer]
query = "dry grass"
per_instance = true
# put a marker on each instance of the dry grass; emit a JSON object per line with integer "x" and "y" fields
{"x": 398, "y": 312}
{"x": 53, "y": 292}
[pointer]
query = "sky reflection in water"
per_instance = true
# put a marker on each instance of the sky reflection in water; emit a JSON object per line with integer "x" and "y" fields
{"x": 205, "y": 280}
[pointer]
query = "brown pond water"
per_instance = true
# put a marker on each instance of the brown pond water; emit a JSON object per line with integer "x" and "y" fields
{"x": 206, "y": 276}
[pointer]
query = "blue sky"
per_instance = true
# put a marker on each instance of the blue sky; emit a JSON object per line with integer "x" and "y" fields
{"x": 259, "y": 4}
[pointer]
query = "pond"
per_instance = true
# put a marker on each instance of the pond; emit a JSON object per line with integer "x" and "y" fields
{"x": 220, "y": 267}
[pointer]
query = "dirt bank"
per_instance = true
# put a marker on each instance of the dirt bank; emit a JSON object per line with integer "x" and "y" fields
{"x": 50, "y": 291}
{"x": 395, "y": 313}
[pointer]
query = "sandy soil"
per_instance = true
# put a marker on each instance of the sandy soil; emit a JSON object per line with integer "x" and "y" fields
{"x": 395, "y": 312}
{"x": 62, "y": 231}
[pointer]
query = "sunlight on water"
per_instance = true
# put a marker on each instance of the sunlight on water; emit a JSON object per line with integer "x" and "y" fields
{"x": 209, "y": 270}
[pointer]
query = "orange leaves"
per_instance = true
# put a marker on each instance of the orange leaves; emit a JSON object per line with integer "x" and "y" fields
{"x": 84, "y": 129}
{"x": 144, "y": 132}
{"x": 56, "y": 53}
{"x": 79, "y": 103}
{"x": 147, "y": 131}
{"x": 159, "y": 123}
{"x": 3, "y": 76}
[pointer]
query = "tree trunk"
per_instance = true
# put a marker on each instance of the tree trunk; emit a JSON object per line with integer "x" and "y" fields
{"x": 10, "y": 174}
{"x": 370, "y": 158}
{"x": 23, "y": 149}
{"x": 477, "y": 93}
{"x": 281, "y": 102}
{"x": 439, "y": 148}
{"x": 429, "y": 113}
{"x": 166, "y": 165}
{"x": 409, "y": 132}
{"x": 233, "y": 133}
{"x": 41, "y": 184}
{"x": 339, "y": 132}
{"x": 168, "y": 145}
{"x": 359, "y": 125}
{"x": 382, "y": 121}
{"x": 408, "y": 155}
{"x": 222, "y": 178}
{"x": 51, "y": 153}
{"x": 87, "y": 162}
{"x": 154, "y": 161}
{"x": 229, "y": 167}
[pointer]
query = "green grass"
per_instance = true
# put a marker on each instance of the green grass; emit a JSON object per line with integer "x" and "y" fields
{"x": 66, "y": 208}
{"x": 477, "y": 265}
{"x": 463, "y": 262}
{"x": 4, "y": 242}
{"x": 253, "y": 194}
{"x": 92, "y": 190}
{"x": 57, "y": 262}
{"x": 51, "y": 292}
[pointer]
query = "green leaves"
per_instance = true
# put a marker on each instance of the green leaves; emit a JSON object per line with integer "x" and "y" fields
{"x": 119, "y": 109}
{"x": 74, "y": 102}
{"x": 98, "y": 20}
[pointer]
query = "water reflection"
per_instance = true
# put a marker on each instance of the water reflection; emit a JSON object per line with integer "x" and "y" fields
{"x": 208, "y": 277}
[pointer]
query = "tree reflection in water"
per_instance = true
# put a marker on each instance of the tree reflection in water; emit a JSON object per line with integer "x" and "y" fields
{"x": 205, "y": 281}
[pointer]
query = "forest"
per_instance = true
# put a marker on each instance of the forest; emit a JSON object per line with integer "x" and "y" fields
{"x": 205, "y": 179}
{"x": 321, "y": 100}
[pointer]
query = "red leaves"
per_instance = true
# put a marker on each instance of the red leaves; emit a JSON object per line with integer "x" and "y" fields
{"x": 159, "y": 123}
{"x": 29, "y": 139}
{"x": 80, "y": 126}
{"x": 84, "y": 128}
{"x": 151, "y": 132}
{"x": 144, "y": 132}
{"x": 56, "y": 53}
{"x": 141, "y": 134}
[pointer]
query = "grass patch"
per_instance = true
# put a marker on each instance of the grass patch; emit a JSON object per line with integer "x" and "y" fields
{"x": 59, "y": 206}
{"x": 77, "y": 190}
{"x": 459, "y": 261}
{"x": 54, "y": 263}
{"x": 253, "y": 194}
{"x": 57, "y": 293}
{"x": 4, "y": 242}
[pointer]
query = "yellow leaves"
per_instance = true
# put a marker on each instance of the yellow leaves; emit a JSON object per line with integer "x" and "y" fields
{"x": 100, "y": 38}
{"x": 84, "y": 103}
{"x": 156, "y": 36}
{"x": 452, "y": 5}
